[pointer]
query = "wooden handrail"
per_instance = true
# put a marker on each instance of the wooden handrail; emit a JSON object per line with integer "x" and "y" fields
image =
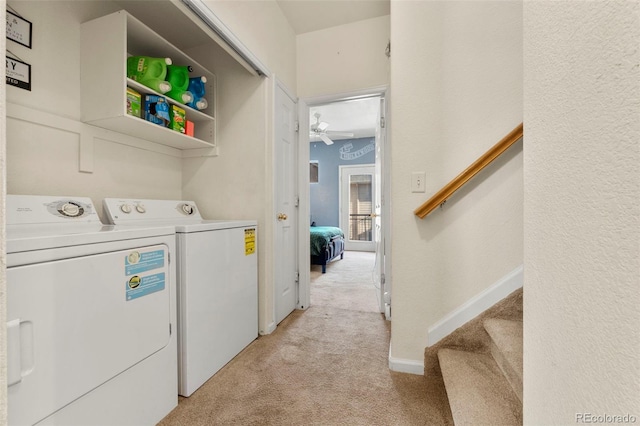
{"x": 482, "y": 162}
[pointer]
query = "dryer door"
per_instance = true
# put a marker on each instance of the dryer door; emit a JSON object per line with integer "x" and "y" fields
{"x": 73, "y": 324}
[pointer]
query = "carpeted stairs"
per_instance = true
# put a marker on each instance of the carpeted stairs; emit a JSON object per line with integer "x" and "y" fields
{"x": 481, "y": 365}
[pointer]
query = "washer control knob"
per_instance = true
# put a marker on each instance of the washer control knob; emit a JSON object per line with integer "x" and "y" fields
{"x": 125, "y": 208}
{"x": 70, "y": 209}
{"x": 188, "y": 209}
{"x": 140, "y": 208}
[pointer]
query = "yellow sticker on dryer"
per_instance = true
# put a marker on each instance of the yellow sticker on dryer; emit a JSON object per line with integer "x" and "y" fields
{"x": 249, "y": 241}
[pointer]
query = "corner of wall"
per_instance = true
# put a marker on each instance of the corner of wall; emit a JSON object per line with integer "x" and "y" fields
{"x": 401, "y": 365}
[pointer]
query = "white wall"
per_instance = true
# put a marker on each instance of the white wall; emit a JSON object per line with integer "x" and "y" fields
{"x": 582, "y": 210}
{"x": 264, "y": 30}
{"x": 44, "y": 160}
{"x": 3, "y": 257}
{"x": 239, "y": 183}
{"x": 456, "y": 79}
{"x": 343, "y": 59}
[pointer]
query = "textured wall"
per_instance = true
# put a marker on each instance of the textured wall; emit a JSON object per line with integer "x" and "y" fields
{"x": 582, "y": 210}
{"x": 343, "y": 59}
{"x": 456, "y": 78}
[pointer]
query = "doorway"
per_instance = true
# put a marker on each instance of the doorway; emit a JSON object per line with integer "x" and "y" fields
{"x": 348, "y": 143}
{"x": 357, "y": 207}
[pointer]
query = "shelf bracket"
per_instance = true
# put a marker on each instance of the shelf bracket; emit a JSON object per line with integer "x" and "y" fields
{"x": 53, "y": 121}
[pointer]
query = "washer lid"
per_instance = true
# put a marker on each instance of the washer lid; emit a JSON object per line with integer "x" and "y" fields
{"x": 188, "y": 225}
{"x": 21, "y": 238}
{"x": 212, "y": 225}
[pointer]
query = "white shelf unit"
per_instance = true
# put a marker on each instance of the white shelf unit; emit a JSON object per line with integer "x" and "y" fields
{"x": 106, "y": 43}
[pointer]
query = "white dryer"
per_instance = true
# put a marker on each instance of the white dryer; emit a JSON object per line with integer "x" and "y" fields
{"x": 91, "y": 317}
{"x": 217, "y": 283}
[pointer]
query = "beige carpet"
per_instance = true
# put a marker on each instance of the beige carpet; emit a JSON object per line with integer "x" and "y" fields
{"x": 327, "y": 365}
{"x": 347, "y": 284}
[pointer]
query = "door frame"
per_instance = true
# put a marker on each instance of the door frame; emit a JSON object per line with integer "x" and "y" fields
{"x": 304, "y": 190}
{"x": 304, "y": 209}
{"x": 344, "y": 171}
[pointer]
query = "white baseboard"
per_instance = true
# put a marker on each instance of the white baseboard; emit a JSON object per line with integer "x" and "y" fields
{"x": 405, "y": 365}
{"x": 475, "y": 306}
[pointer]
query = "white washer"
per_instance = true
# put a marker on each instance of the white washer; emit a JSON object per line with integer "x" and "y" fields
{"x": 217, "y": 283}
{"x": 90, "y": 312}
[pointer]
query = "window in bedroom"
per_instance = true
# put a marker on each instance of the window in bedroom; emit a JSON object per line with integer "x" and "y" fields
{"x": 360, "y": 207}
{"x": 313, "y": 171}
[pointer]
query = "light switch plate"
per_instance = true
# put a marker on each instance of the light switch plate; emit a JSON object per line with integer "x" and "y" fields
{"x": 418, "y": 181}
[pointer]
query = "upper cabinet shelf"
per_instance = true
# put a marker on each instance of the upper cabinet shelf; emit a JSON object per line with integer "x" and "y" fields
{"x": 106, "y": 43}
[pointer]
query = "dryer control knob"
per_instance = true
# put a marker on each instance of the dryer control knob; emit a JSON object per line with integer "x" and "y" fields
{"x": 188, "y": 209}
{"x": 125, "y": 208}
{"x": 70, "y": 209}
{"x": 140, "y": 208}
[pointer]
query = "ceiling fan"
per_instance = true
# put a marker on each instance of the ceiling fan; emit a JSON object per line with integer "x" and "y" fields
{"x": 319, "y": 129}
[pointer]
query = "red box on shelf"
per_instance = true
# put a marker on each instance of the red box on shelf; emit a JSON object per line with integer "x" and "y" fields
{"x": 189, "y": 128}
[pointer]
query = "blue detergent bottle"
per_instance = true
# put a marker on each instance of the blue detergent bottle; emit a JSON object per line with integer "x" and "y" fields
{"x": 178, "y": 77}
{"x": 198, "y": 90}
{"x": 149, "y": 71}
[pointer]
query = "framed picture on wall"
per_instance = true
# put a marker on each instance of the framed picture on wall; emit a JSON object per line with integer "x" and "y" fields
{"x": 18, "y": 29}
{"x": 18, "y": 73}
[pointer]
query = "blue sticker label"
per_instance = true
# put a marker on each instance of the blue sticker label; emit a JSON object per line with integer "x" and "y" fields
{"x": 137, "y": 263}
{"x": 141, "y": 286}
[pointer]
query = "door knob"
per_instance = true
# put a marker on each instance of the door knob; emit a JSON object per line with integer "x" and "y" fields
{"x": 282, "y": 216}
{"x": 374, "y": 215}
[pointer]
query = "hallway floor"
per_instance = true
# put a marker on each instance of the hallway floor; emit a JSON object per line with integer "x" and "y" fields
{"x": 327, "y": 365}
{"x": 347, "y": 284}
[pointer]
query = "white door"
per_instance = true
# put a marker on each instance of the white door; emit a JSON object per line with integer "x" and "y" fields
{"x": 285, "y": 215}
{"x": 357, "y": 207}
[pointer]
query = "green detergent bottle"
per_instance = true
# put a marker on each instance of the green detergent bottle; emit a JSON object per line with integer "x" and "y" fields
{"x": 178, "y": 77}
{"x": 151, "y": 72}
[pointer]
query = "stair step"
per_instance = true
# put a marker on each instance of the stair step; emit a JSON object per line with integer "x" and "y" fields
{"x": 477, "y": 390}
{"x": 506, "y": 348}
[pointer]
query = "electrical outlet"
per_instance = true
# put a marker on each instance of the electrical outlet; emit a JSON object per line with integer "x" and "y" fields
{"x": 418, "y": 181}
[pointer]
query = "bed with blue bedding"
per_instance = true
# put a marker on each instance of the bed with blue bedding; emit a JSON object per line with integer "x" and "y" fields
{"x": 327, "y": 243}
